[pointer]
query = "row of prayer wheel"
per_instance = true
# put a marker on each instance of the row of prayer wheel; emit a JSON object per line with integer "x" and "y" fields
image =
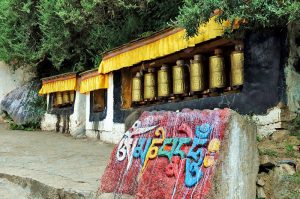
{"x": 63, "y": 98}
{"x": 217, "y": 77}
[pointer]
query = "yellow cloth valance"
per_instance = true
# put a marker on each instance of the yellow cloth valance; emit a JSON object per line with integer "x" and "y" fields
{"x": 165, "y": 45}
{"x": 95, "y": 82}
{"x": 58, "y": 86}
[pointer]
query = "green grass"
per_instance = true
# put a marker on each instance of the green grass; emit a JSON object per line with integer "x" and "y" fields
{"x": 269, "y": 152}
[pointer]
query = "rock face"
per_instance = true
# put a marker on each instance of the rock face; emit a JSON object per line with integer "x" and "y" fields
{"x": 188, "y": 154}
{"x": 18, "y": 104}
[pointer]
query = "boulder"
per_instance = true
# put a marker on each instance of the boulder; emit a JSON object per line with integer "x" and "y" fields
{"x": 190, "y": 154}
{"x": 260, "y": 182}
{"x": 19, "y": 104}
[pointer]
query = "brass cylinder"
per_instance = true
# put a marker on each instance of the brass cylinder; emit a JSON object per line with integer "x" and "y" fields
{"x": 197, "y": 74}
{"x": 178, "y": 78}
{"x": 163, "y": 82}
{"x": 217, "y": 78}
{"x": 59, "y": 100}
{"x": 66, "y": 98}
{"x": 54, "y": 101}
{"x": 149, "y": 85}
{"x": 136, "y": 93}
{"x": 237, "y": 66}
{"x": 72, "y": 96}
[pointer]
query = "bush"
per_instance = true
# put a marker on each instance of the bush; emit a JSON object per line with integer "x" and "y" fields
{"x": 253, "y": 14}
{"x": 72, "y": 34}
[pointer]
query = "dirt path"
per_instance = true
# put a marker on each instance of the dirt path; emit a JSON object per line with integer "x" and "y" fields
{"x": 49, "y": 160}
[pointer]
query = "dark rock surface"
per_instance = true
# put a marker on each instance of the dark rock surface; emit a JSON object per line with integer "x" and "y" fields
{"x": 18, "y": 103}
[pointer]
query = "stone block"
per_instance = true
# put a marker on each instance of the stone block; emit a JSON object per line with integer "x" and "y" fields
{"x": 192, "y": 153}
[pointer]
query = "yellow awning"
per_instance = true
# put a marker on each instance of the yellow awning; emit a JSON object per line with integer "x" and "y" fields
{"x": 167, "y": 43}
{"x": 58, "y": 85}
{"x": 93, "y": 81}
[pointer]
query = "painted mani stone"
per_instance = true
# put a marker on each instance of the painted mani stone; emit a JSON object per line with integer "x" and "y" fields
{"x": 180, "y": 150}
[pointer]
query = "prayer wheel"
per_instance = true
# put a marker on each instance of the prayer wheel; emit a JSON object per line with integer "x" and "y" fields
{"x": 179, "y": 86}
{"x": 217, "y": 78}
{"x": 149, "y": 85}
{"x": 54, "y": 101}
{"x": 197, "y": 74}
{"x": 59, "y": 100}
{"x": 237, "y": 66}
{"x": 163, "y": 82}
{"x": 66, "y": 97}
{"x": 72, "y": 96}
{"x": 136, "y": 93}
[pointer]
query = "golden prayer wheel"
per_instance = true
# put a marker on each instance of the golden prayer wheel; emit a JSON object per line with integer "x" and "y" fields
{"x": 72, "y": 96}
{"x": 197, "y": 74}
{"x": 163, "y": 82}
{"x": 66, "y": 97}
{"x": 179, "y": 86}
{"x": 59, "y": 99}
{"x": 136, "y": 93}
{"x": 54, "y": 101}
{"x": 149, "y": 85}
{"x": 217, "y": 78}
{"x": 237, "y": 66}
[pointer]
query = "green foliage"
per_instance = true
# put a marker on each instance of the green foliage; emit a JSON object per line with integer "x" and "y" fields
{"x": 36, "y": 108}
{"x": 72, "y": 34}
{"x": 23, "y": 127}
{"x": 269, "y": 152}
{"x": 256, "y": 13}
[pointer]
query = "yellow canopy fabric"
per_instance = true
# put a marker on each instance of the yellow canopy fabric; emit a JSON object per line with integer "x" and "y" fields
{"x": 99, "y": 81}
{"x": 58, "y": 86}
{"x": 163, "y": 46}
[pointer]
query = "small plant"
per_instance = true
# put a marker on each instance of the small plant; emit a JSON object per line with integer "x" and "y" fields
{"x": 258, "y": 139}
{"x": 289, "y": 151}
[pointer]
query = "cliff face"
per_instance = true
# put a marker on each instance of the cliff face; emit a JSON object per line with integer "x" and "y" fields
{"x": 292, "y": 69}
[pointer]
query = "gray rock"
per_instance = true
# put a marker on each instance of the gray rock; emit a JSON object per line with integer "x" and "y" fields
{"x": 18, "y": 103}
{"x": 260, "y": 182}
{"x": 282, "y": 185}
{"x": 261, "y": 193}
{"x": 237, "y": 170}
{"x": 279, "y": 135}
{"x": 286, "y": 168}
{"x": 129, "y": 121}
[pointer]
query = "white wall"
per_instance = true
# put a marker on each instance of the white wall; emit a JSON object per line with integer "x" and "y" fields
{"x": 107, "y": 130}
{"x": 76, "y": 120}
{"x": 10, "y": 79}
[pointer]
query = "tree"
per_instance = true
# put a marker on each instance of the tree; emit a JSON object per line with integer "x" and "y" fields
{"x": 248, "y": 14}
{"x": 72, "y": 34}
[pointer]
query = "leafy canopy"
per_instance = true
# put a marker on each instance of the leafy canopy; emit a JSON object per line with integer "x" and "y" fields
{"x": 72, "y": 34}
{"x": 249, "y": 14}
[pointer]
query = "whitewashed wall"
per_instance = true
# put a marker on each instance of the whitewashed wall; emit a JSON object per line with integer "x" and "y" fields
{"x": 105, "y": 130}
{"x": 10, "y": 79}
{"x": 76, "y": 120}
